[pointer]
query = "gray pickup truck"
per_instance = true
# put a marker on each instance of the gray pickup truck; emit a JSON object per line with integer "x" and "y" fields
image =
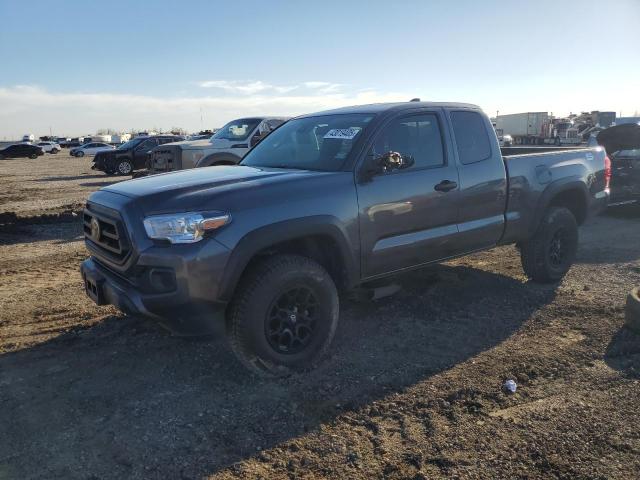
{"x": 326, "y": 203}
{"x": 226, "y": 147}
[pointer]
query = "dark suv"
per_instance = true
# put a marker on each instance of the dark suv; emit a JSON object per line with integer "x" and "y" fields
{"x": 132, "y": 155}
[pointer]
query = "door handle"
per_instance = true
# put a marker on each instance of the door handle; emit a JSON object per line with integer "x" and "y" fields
{"x": 445, "y": 186}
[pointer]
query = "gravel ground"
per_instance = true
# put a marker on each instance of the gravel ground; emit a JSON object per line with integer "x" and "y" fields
{"x": 411, "y": 387}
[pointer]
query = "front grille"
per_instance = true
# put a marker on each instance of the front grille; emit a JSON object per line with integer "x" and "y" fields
{"x": 165, "y": 159}
{"x": 107, "y": 235}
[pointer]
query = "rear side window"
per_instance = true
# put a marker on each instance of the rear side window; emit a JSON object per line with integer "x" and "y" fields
{"x": 471, "y": 137}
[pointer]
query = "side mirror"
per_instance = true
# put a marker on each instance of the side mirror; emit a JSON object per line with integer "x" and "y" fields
{"x": 390, "y": 161}
{"x": 256, "y": 139}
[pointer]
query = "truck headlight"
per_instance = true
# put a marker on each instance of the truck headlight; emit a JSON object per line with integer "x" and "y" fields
{"x": 184, "y": 227}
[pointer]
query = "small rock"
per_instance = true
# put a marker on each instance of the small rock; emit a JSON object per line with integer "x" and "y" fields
{"x": 510, "y": 386}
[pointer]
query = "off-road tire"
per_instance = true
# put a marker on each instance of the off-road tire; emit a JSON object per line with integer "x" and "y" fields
{"x": 124, "y": 167}
{"x": 632, "y": 310}
{"x": 535, "y": 253}
{"x": 255, "y": 296}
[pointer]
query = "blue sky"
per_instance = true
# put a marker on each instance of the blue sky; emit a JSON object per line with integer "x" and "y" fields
{"x": 77, "y": 66}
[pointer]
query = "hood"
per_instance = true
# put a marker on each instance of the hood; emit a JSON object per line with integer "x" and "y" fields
{"x": 194, "y": 188}
{"x": 196, "y": 182}
{"x": 620, "y": 137}
{"x": 190, "y": 180}
{"x": 210, "y": 143}
{"x": 111, "y": 151}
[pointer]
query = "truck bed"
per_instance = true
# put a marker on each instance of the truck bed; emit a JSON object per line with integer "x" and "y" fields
{"x": 537, "y": 174}
{"x": 525, "y": 150}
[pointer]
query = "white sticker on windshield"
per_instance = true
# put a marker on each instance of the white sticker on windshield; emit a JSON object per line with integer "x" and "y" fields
{"x": 342, "y": 133}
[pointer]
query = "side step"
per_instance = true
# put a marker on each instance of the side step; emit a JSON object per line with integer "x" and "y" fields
{"x": 368, "y": 294}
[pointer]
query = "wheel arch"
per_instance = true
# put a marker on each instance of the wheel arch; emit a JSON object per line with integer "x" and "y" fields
{"x": 223, "y": 158}
{"x": 320, "y": 238}
{"x": 571, "y": 193}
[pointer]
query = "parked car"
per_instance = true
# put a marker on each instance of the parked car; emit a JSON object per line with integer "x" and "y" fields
{"x": 226, "y": 147}
{"x": 132, "y": 155}
{"x": 329, "y": 202}
{"x": 21, "y": 150}
{"x": 622, "y": 143}
{"x": 89, "y": 149}
{"x": 76, "y": 142}
{"x": 50, "y": 147}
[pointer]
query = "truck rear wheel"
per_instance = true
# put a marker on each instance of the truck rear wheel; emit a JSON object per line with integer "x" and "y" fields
{"x": 548, "y": 255}
{"x": 284, "y": 315}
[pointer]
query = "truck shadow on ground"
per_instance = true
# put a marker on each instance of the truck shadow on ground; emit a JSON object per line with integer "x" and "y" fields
{"x": 596, "y": 244}
{"x": 125, "y": 399}
{"x": 103, "y": 184}
{"x": 623, "y": 353}
{"x": 65, "y": 231}
{"x": 62, "y": 178}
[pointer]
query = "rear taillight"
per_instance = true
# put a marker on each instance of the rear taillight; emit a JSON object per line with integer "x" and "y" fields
{"x": 607, "y": 172}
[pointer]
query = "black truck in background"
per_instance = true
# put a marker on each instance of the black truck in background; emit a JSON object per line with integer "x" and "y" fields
{"x": 329, "y": 202}
{"x": 132, "y": 155}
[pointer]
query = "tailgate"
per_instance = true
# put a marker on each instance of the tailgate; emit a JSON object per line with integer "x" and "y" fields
{"x": 165, "y": 158}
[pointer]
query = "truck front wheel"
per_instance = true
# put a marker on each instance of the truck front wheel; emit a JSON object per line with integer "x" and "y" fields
{"x": 284, "y": 315}
{"x": 549, "y": 254}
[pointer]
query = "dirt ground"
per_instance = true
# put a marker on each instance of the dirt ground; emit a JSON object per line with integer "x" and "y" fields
{"x": 411, "y": 387}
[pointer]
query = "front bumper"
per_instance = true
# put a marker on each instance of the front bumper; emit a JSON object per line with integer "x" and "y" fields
{"x": 100, "y": 162}
{"x": 176, "y": 309}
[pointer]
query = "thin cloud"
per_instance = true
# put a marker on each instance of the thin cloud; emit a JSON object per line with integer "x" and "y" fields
{"x": 246, "y": 88}
{"x": 324, "y": 87}
{"x": 29, "y": 108}
{"x": 254, "y": 87}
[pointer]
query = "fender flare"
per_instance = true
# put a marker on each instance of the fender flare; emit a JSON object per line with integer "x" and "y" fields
{"x": 214, "y": 158}
{"x": 263, "y": 237}
{"x": 555, "y": 188}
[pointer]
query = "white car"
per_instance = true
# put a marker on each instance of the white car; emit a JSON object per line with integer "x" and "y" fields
{"x": 50, "y": 147}
{"x": 90, "y": 149}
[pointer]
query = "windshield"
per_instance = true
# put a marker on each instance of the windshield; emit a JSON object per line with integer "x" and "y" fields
{"x": 130, "y": 144}
{"x": 312, "y": 143}
{"x": 238, "y": 129}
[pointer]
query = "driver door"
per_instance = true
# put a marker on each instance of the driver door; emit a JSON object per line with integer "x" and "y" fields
{"x": 408, "y": 216}
{"x": 142, "y": 152}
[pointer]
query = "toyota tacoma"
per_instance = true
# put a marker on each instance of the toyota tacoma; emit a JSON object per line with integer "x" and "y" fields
{"x": 330, "y": 202}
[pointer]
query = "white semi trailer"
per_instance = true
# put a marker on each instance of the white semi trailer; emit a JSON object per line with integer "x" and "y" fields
{"x": 538, "y": 128}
